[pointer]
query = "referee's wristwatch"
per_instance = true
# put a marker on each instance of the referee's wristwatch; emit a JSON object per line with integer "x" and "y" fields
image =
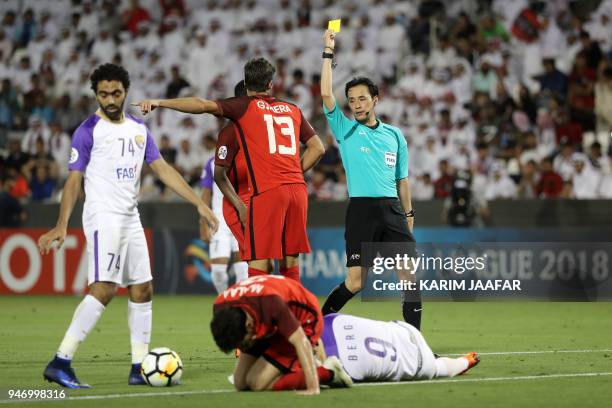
{"x": 410, "y": 214}
{"x": 329, "y": 55}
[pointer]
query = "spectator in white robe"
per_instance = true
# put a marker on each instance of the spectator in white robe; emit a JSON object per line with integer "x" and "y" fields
{"x": 499, "y": 184}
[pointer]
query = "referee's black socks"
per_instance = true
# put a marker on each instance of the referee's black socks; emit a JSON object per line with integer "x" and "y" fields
{"x": 337, "y": 299}
{"x": 412, "y": 308}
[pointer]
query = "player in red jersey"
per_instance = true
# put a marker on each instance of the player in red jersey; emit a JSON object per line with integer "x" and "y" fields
{"x": 236, "y": 172}
{"x": 276, "y": 323}
{"x": 237, "y": 175}
{"x": 268, "y": 131}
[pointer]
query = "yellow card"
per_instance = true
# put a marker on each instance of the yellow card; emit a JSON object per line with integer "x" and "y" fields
{"x": 334, "y": 25}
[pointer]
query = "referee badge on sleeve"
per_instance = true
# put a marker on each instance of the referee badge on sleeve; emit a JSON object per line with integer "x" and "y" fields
{"x": 390, "y": 159}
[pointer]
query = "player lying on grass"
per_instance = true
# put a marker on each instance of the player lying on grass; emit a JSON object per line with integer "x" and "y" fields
{"x": 371, "y": 350}
{"x": 108, "y": 150}
{"x": 275, "y": 322}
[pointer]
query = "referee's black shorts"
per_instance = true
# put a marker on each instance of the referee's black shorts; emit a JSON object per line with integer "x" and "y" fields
{"x": 374, "y": 219}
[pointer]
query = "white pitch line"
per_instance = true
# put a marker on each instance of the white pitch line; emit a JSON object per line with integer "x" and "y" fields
{"x": 523, "y": 377}
{"x": 376, "y": 384}
{"x": 511, "y": 353}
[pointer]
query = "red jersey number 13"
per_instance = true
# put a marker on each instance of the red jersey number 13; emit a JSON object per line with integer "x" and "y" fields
{"x": 285, "y": 124}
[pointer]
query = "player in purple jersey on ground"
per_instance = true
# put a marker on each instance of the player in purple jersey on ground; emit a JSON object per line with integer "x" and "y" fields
{"x": 372, "y": 351}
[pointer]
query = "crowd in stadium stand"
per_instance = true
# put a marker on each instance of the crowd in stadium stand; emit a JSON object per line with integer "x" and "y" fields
{"x": 515, "y": 94}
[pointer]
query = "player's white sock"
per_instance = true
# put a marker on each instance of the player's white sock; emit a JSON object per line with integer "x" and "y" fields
{"x": 140, "y": 320}
{"x": 450, "y": 367}
{"x": 219, "y": 276}
{"x": 84, "y": 320}
{"x": 241, "y": 270}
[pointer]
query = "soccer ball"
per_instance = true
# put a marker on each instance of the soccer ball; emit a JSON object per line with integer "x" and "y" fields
{"x": 162, "y": 367}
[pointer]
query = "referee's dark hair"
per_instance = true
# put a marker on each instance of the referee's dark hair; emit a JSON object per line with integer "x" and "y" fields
{"x": 110, "y": 72}
{"x": 228, "y": 328}
{"x": 372, "y": 88}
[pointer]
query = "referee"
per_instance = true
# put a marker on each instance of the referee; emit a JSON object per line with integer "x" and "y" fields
{"x": 375, "y": 158}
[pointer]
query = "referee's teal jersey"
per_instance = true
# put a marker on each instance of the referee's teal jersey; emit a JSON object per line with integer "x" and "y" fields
{"x": 374, "y": 159}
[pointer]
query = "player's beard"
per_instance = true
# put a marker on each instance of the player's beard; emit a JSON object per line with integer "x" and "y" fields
{"x": 114, "y": 114}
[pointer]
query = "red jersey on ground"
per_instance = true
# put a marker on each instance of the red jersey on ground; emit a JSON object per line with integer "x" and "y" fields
{"x": 277, "y": 306}
{"x": 268, "y": 131}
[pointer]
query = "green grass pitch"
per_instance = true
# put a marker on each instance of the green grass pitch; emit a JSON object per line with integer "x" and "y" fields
{"x": 32, "y": 327}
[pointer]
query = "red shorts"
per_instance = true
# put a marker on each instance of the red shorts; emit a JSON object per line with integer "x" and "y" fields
{"x": 233, "y": 223}
{"x": 276, "y": 223}
{"x": 277, "y": 350}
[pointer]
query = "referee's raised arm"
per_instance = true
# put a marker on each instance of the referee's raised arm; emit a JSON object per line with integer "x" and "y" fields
{"x": 327, "y": 92}
{"x": 375, "y": 159}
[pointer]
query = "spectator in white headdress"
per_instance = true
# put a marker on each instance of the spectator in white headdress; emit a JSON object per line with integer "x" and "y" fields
{"x": 563, "y": 163}
{"x": 500, "y": 185}
{"x": 38, "y": 129}
{"x": 586, "y": 179}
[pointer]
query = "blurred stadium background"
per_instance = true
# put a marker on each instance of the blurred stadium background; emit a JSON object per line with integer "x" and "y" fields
{"x": 506, "y": 107}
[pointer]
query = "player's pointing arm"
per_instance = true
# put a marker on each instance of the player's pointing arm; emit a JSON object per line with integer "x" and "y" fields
{"x": 186, "y": 105}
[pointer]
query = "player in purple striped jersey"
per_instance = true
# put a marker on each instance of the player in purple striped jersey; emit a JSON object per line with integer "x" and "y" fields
{"x": 108, "y": 150}
{"x": 371, "y": 351}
